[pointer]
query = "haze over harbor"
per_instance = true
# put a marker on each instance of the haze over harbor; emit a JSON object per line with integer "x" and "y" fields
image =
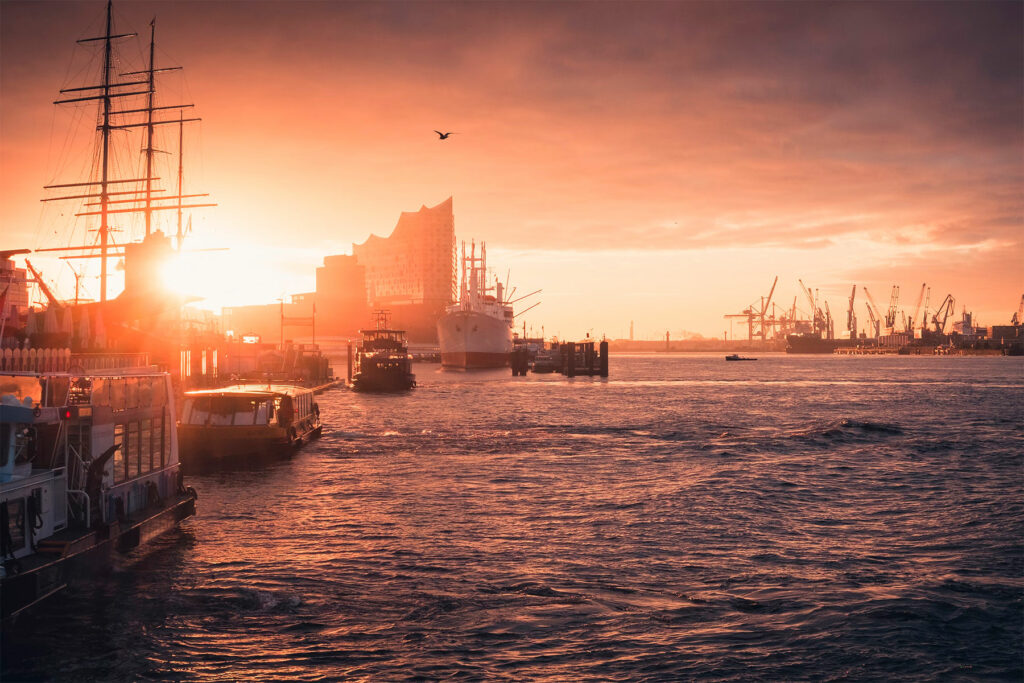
{"x": 705, "y": 147}
{"x": 371, "y": 364}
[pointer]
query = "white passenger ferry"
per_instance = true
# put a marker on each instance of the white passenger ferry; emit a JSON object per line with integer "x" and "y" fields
{"x": 245, "y": 422}
{"x": 88, "y": 465}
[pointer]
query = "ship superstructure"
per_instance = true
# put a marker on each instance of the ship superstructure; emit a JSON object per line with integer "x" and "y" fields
{"x": 476, "y": 331}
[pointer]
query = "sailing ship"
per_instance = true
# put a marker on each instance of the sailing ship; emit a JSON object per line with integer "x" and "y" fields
{"x": 476, "y": 331}
{"x": 382, "y": 361}
{"x": 146, "y": 317}
{"x": 88, "y": 444}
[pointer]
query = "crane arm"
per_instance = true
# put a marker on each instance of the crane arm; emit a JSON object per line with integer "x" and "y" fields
{"x": 810, "y": 298}
{"x": 42, "y": 285}
{"x": 920, "y": 298}
{"x": 768, "y": 301}
{"x": 871, "y": 300}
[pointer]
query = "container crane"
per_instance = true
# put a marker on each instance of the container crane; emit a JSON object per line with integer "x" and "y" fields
{"x": 876, "y": 317}
{"x": 924, "y": 316}
{"x": 757, "y": 324}
{"x": 917, "y": 309}
{"x": 945, "y": 309}
{"x": 890, "y": 315}
{"x": 1018, "y": 317}
{"x": 875, "y": 323}
{"x": 851, "y": 317}
{"x": 816, "y": 321}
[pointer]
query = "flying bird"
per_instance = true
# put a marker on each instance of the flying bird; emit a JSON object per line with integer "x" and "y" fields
{"x": 444, "y": 136}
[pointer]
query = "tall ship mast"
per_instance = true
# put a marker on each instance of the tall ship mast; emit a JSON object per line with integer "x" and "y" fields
{"x": 122, "y": 98}
{"x": 476, "y": 331}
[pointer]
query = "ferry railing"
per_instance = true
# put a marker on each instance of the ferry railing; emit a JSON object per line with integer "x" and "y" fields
{"x": 86, "y": 507}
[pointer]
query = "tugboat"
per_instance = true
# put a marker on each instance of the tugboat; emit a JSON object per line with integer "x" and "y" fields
{"x": 382, "y": 362}
{"x": 88, "y": 466}
{"x": 247, "y": 421}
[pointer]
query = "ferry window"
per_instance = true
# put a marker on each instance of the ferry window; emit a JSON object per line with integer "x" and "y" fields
{"x": 133, "y": 449}
{"x": 197, "y": 410}
{"x": 158, "y": 442}
{"x": 131, "y": 394}
{"x": 145, "y": 392}
{"x": 222, "y": 410}
{"x": 100, "y": 391}
{"x": 145, "y": 446}
{"x": 57, "y": 390}
{"x": 159, "y": 391}
{"x": 262, "y": 417}
{"x": 245, "y": 412}
{"x": 117, "y": 393}
{"x": 16, "y": 522}
{"x": 165, "y": 453}
{"x": 22, "y": 387}
{"x": 120, "y": 470}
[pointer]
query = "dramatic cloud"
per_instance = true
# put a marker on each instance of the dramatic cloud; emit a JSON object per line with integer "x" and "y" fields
{"x": 852, "y": 131}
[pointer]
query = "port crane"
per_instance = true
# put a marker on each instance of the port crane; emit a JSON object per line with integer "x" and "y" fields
{"x": 876, "y": 318}
{"x": 851, "y": 317}
{"x": 890, "y": 314}
{"x": 924, "y": 316}
{"x": 47, "y": 292}
{"x": 944, "y": 309}
{"x": 1018, "y": 317}
{"x": 819, "y": 322}
{"x": 917, "y": 309}
{"x": 757, "y": 324}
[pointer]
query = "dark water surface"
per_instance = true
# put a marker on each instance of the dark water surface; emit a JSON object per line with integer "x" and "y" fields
{"x": 795, "y": 518}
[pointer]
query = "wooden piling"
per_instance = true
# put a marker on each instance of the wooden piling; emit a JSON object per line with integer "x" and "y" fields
{"x": 350, "y": 363}
{"x": 604, "y": 358}
{"x": 570, "y": 371}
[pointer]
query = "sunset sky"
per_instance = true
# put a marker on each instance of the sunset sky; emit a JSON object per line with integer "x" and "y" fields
{"x": 656, "y": 162}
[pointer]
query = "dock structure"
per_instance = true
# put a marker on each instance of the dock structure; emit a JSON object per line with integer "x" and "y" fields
{"x": 581, "y": 358}
{"x": 519, "y": 360}
{"x": 569, "y": 359}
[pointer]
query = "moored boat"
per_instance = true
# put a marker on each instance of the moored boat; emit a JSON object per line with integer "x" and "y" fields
{"x": 246, "y": 422}
{"x": 736, "y": 356}
{"x": 382, "y": 361}
{"x": 476, "y": 332}
{"x": 88, "y": 466}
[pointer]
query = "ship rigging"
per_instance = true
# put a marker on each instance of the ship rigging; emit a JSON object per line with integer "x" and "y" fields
{"x": 105, "y": 194}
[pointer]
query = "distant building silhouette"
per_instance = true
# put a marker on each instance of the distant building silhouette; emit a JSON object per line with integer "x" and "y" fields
{"x": 412, "y": 271}
{"x": 342, "y": 304}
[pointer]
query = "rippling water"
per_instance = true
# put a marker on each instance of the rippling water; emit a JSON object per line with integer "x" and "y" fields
{"x": 795, "y": 518}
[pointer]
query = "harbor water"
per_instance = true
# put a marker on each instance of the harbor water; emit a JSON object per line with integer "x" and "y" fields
{"x": 797, "y": 518}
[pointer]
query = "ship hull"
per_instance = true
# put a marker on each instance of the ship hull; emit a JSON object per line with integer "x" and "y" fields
{"x": 471, "y": 340}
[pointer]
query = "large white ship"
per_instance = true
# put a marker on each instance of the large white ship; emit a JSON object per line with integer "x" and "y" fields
{"x": 476, "y": 332}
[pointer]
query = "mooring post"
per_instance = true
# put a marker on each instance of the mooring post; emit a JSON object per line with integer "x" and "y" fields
{"x": 350, "y": 363}
{"x": 604, "y": 358}
{"x": 571, "y": 347}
